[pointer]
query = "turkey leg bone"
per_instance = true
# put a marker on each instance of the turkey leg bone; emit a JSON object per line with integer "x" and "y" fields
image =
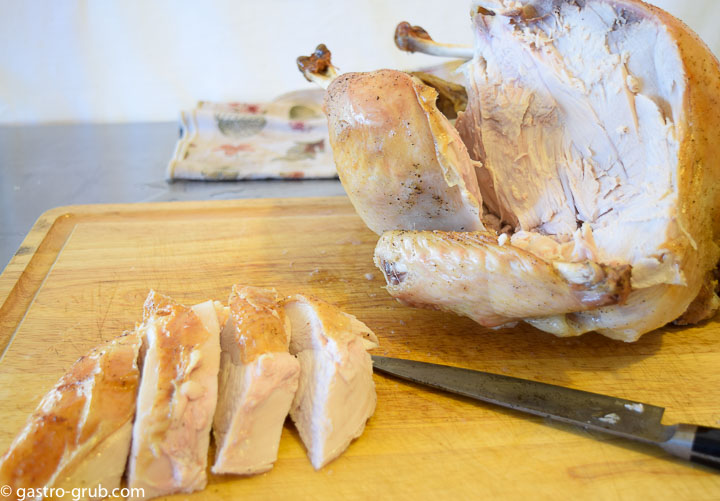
{"x": 415, "y": 39}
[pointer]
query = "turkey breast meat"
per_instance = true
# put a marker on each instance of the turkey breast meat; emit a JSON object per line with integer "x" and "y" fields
{"x": 79, "y": 435}
{"x": 594, "y": 122}
{"x": 336, "y": 392}
{"x": 177, "y": 396}
{"x": 257, "y": 383}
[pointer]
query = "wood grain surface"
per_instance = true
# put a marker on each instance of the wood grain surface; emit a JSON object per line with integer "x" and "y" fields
{"x": 83, "y": 271}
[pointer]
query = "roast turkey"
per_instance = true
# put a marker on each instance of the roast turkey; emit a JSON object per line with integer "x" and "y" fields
{"x": 593, "y": 129}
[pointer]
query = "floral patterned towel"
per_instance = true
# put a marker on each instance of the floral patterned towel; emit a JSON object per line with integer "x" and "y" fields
{"x": 286, "y": 138}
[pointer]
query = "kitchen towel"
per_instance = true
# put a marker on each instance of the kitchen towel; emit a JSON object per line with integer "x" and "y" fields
{"x": 285, "y": 138}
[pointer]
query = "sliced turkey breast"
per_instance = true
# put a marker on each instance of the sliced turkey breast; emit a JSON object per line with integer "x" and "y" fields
{"x": 336, "y": 393}
{"x": 258, "y": 380}
{"x": 79, "y": 435}
{"x": 177, "y": 396}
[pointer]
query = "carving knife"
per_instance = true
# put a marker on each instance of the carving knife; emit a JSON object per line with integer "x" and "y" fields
{"x": 616, "y": 416}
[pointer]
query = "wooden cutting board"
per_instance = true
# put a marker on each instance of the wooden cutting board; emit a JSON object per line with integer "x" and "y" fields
{"x": 83, "y": 272}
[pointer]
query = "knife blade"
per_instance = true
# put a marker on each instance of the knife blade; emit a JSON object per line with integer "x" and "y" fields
{"x": 625, "y": 418}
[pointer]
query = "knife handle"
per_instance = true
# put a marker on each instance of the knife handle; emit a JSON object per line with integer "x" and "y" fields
{"x": 699, "y": 444}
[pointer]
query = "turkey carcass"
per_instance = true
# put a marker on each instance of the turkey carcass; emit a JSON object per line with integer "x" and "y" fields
{"x": 593, "y": 126}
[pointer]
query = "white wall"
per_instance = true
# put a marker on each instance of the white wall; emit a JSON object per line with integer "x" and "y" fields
{"x": 144, "y": 60}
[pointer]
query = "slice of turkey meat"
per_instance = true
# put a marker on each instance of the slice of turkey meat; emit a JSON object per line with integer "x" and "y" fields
{"x": 177, "y": 396}
{"x": 257, "y": 383}
{"x": 336, "y": 392}
{"x": 595, "y": 129}
{"x": 79, "y": 435}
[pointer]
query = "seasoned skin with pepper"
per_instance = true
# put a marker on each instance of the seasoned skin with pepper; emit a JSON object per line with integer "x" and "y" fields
{"x": 402, "y": 163}
{"x": 79, "y": 435}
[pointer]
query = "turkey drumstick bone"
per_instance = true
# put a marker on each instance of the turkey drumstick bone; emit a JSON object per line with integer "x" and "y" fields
{"x": 415, "y": 39}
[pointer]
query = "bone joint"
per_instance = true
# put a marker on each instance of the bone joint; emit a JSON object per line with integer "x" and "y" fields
{"x": 317, "y": 67}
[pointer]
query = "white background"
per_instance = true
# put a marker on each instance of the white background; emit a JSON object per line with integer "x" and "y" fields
{"x": 144, "y": 60}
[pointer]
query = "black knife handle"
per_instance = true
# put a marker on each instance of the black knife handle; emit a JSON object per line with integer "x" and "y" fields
{"x": 706, "y": 447}
{"x": 699, "y": 444}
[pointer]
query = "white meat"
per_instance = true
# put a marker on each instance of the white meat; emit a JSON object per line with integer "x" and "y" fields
{"x": 336, "y": 394}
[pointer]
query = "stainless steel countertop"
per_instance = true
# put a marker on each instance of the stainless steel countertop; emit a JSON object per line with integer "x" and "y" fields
{"x": 42, "y": 167}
